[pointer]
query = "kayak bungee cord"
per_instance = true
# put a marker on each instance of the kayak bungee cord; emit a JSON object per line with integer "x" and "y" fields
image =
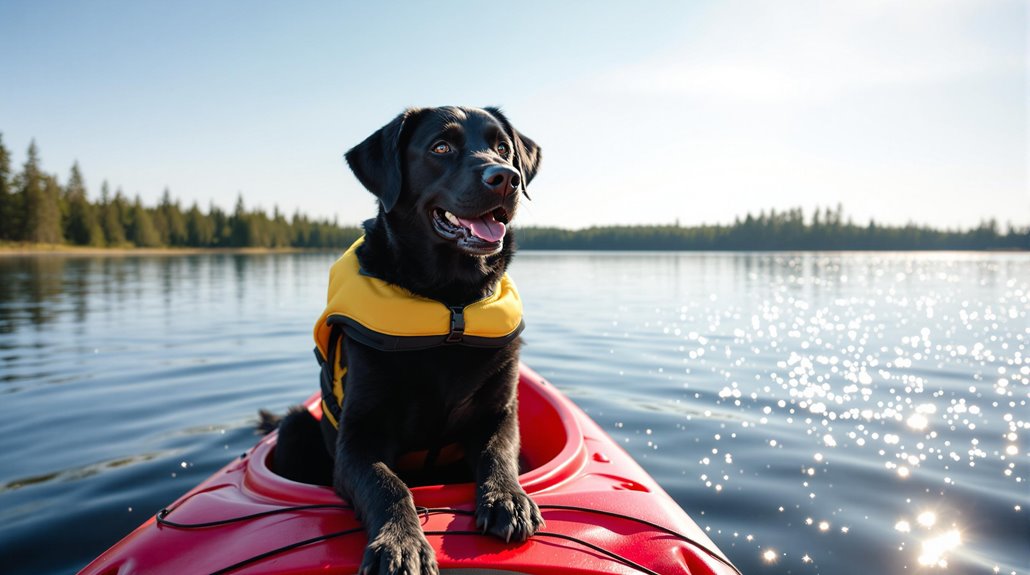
{"x": 286, "y": 548}
{"x": 162, "y": 515}
{"x": 654, "y": 526}
{"x": 422, "y": 511}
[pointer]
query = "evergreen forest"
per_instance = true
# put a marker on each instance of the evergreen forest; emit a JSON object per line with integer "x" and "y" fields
{"x": 37, "y": 208}
{"x": 822, "y": 229}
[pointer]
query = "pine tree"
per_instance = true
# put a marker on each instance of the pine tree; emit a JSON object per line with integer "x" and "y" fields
{"x": 41, "y": 195}
{"x": 280, "y": 229}
{"x": 220, "y": 224}
{"x": 142, "y": 231}
{"x": 200, "y": 230}
{"x": 50, "y": 230}
{"x": 239, "y": 228}
{"x": 110, "y": 218}
{"x": 7, "y": 223}
{"x": 172, "y": 221}
{"x": 160, "y": 222}
{"x": 81, "y": 227}
{"x": 124, "y": 211}
{"x": 301, "y": 230}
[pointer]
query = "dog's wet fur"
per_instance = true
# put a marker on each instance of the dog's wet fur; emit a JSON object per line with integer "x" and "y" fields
{"x": 423, "y": 164}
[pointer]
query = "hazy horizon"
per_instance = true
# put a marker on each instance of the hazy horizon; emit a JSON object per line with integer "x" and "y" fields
{"x": 697, "y": 113}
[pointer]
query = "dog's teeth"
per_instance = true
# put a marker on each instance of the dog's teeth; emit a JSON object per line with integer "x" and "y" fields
{"x": 452, "y": 218}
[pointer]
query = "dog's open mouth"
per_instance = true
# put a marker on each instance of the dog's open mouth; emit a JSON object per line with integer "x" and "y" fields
{"x": 479, "y": 235}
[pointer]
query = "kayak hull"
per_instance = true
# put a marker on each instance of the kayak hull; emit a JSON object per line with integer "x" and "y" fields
{"x": 597, "y": 501}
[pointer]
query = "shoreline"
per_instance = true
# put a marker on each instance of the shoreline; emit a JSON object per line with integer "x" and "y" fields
{"x": 15, "y": 250}
{"x": 22, "y": 250}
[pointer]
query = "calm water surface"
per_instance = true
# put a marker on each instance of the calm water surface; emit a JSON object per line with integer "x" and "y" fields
{"x": 817, "y": 413}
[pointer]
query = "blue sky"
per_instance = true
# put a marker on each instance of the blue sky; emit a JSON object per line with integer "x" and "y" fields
{"x": 698, "y": 111}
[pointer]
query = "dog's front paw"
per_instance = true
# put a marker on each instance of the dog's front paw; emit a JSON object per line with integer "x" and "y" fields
{"x": 396, "y": 551}
{"x": 508, "y": 513}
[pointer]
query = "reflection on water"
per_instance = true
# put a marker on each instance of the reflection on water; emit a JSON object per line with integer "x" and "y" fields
{"x": 813, "y": 412}
{"x": 78, "y": 473}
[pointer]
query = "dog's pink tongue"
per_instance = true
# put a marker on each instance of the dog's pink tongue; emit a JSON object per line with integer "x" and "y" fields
{"x": 485, "y": 227}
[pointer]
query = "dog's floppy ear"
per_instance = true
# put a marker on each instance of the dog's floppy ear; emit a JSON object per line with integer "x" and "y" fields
{"x": 527, "y": 153}
{"x": 376, "y": 162}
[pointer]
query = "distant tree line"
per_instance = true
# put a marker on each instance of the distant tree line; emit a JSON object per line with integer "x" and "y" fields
{"x": 36, "y": 208}
{"x": 825, "y": 229}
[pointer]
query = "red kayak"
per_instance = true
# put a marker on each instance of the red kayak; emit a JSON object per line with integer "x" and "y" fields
{"x": 604, "y": 514}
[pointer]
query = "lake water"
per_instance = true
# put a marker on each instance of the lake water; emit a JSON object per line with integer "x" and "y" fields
{"x": 815, "y": 412}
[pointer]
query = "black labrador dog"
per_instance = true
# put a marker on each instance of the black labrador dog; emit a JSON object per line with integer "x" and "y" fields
{"x": 448, "y": 182}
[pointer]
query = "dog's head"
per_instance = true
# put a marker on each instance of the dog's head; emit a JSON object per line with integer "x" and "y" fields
{"x": 454, "y": 173}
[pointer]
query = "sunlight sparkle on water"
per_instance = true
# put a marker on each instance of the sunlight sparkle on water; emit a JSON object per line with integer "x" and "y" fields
{"x": 927, "y": 519}
{"x": 917, "y": 421}
{"x": 895, "y": 377}
{"x": 935, "y": 549}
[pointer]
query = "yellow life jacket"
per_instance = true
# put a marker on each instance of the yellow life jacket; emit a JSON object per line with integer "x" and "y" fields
{"x": 388, "y": 317}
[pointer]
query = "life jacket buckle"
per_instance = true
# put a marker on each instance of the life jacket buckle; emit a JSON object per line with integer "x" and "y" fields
{"x": 457, "y": 325}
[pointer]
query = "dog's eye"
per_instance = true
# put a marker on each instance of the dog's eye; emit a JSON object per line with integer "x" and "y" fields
{"x": 441, "y": 147}
{"x": 503, "y": 149}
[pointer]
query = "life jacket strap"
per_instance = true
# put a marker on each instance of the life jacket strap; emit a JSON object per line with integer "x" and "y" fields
{"x": 457, "y": 325}
{"x": 327, "y": 376}
{"x": 333, "y": 369}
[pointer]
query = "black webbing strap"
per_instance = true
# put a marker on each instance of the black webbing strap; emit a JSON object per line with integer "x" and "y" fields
{"x": 328, "y": 374}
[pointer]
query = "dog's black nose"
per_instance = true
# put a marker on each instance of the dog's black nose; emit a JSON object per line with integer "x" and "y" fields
{"x": 501, "y": 179}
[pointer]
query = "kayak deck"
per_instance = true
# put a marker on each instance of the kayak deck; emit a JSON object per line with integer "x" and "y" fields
{"x": 604, "y": 514}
